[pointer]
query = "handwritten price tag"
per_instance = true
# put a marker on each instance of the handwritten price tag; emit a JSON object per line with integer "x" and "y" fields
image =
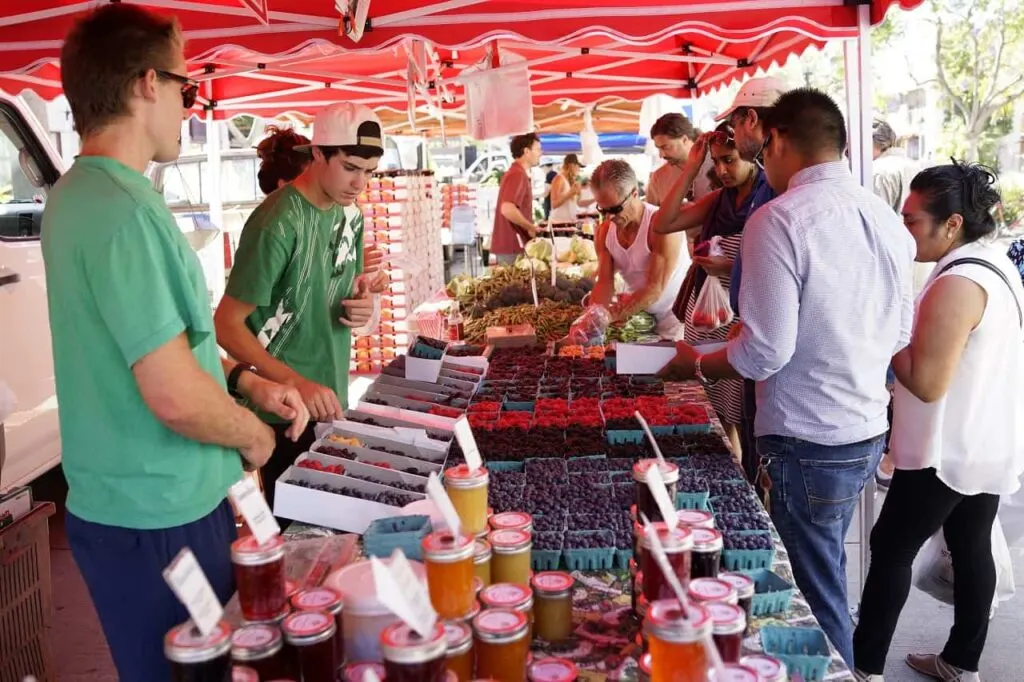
{"x": 656, "y": 484}
{"x": 439, "y": 496}
{"x": 403, "y": 593}
{"x": 254, "y": 509}
{"x": 470, "y": 451}
{"x": 190, "y": 585}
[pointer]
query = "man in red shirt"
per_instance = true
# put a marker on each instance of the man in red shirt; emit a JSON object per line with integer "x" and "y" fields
{"x": 513, "y": 221}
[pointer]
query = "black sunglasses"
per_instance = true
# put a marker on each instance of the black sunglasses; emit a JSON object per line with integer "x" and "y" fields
{"x": 189, "y": 87}
{"x": 723, "y": 138}
{"x": 618, "y": 208}
{"x": 760, "y": 154}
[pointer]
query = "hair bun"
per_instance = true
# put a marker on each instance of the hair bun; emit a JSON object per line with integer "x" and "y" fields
{"x": 980, "y": 193}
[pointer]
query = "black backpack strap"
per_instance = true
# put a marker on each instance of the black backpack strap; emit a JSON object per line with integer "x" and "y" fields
{"x": 986, "y": 264}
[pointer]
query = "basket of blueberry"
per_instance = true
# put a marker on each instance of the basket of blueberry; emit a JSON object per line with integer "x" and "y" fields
{"x": 547, "y": 549}
{"x": 747, "y": 552}
{"x": 384, "y": 536}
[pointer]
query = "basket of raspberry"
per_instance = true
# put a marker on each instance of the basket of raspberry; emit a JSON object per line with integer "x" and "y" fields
{"x": 691, "y": 418}
{"x": 589, "y": 550}
{"x": 546, "y": 554}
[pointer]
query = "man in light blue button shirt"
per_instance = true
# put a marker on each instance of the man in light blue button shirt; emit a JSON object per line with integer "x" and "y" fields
{"x": 827, "y": 301}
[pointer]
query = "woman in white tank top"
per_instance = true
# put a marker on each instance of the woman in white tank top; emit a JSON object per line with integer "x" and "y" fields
{"x": 565, "y": 191}
{"x": 958, "y": 425}
{"x": 652, "y": 265}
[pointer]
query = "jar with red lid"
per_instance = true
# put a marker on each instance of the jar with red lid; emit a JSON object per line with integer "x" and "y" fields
{"x": 323, "y": 599}
{"x": 728, "y": 623}
{"x": 645, "y": 504}
{"x": 408, "y": 657}
{"x": 643, "y": 673}
{"x": 552, "y": 605}
{"x": 706, "y": 557}
{"x": 768, "y": 668}
{"x": 696, "y": 518}
{"x": 676, "y": 639}
{"x": 509, "y": 596}
{"x": 482, "y": 561}
{"x": 745, "y": 588}
{"x": 449, "y": 563}
{"x": 259, "y": 574}
{"x": 677, "y": 544}
{"x": 735, "y": 672}
{"x": 708, "y": 590}
{"x": 198, "y": 658}
{"x": 511, "y": 560}
{"x": 310, "y": 635}
{"x": 468, "y": 492}
{"x": 240, "y": 673}
{"x": 512, "y": 520}
{"x": 502, "y": 645}
{"x": 460, "y": 649}
{"x": 261, "y": 647}
{"x": 354, "y": 672}
{"x": 552, "y": 670}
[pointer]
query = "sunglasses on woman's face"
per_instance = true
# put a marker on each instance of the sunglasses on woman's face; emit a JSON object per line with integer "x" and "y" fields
{"x": 722, "y": 138}
{"x": 617, "y": 208}
{"x": 189, "y": 87}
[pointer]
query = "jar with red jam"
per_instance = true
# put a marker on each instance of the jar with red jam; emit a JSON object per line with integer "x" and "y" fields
{"x": 460, "y": 649}
{"x": 708, "y": 590}
{"x": 745, "y": 587}
{"x": 676, "y": 638}
{"x": 677, "y": 544}
{"x": 323, "y": 599}
{"x": 768, "y": 668}
{"x": 259, "y": 574}
{"x": 261, "y": 647}
{"x": 552, "y": 670}
{"x": 450, "y": 572}
{"x": 408, "y": 657}
{"x": 355, "y": 671}
{"x": 242, "y": 674}
{"x": 310, "y": 635}
{"x": 728, "y": 623}
{"x": 643, "y": 673}
{"x": 696, "y": 518}
{"x": 645, "y": 504}
{"x": 512, "y": 520}
{"x": 198, "y": 658}
{"x": 706, "y": 557}
{"x": 502, "y": 645}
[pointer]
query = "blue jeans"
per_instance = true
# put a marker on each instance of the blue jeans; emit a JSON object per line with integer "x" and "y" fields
{"x": 122, "y": 568}
{"x": 815, "y": 490}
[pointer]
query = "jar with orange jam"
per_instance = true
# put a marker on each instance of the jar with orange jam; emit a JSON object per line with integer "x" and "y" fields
{"x": 512, "y": 520}
{"x": 511, "y": 560}
{"x": 552, "y": 605}
{"x": 468, "y": 492}
{"x": 509, "y": 596}
{"x": 502, "y": 645}
{"x": 676, "y": 639}
{"x": 449, "y": 565}
{"x": 482, "y": 561}
{"x": 460, "y": 649}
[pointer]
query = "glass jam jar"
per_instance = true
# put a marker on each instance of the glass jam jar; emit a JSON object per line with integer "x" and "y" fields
{"x": 509, "y": 596}
{"x": 632, "y": 584}
{"x": 676, "y": 640}
{"x": 411, "y": 658}
{"x": 512, "y": 520}
{"x": 195, "y": 658}
{"x": 468, "y": 492}
{"x": 482, "y": 561}
{"x": 706, "y": 558}
{"x": 552, "y": 605}
{"x": 259, "y": 574}
{"x": 677, "y": 545}
{"x": 511, "y": 560}
{"x": 696, "y": 518}
{"x": 449, "y": 564}
{"x": 768, "y": 668}
{"x": 645, "y": 504}
{"x": 355, "y": 671}
{"x": 638, "y": 593}
{"x": 735, "y": 672}
{"x": 552, "y": 670}
{"x": 460, "y": 649}
{"x": 708, "y": 590}
{"x": 310, "y": 634}
{"x": 502, "y": 645}
{"x": 643, "y": 673}
{"x": 745, "y": 587}
{"x": 323, "y": 599}
{"x": 261, "y": 648}
{"x": 242, "y": 674}
{"x": 728, "y": 622}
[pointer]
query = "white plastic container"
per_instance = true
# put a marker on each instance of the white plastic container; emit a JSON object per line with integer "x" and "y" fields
{"x": 365, "y": 616}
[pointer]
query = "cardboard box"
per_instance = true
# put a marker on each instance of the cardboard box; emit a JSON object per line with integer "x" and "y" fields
{"x": 406, "y": 414}
{"x": 511, "y": 337}
{"x": 643, "y": 358}
{"x": 385, "y": 437}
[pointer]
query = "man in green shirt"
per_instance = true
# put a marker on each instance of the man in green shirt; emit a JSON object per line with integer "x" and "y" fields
{"x": 151, "y": 438}
{"x": 297, "y": 288}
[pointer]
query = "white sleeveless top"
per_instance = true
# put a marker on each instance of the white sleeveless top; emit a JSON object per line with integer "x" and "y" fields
{"x": 566, "y": 213}
{"x": 632, "y": 264}
{"x": 974, "y": 435}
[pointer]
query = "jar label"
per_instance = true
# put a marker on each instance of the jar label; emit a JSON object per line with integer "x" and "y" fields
{"x": 504, "y": 595}
{"x": 740, "y": 582}
{"x": 500, "y": 621}
{"x": 766, "y": 666}
{"x": 706, "y": 536}
{"x": 243, "y": 674}
{"x": 456, "y": 633}
{"x": 554, "y": 670}
{"x": 710, "y": 589}
{"x": 316, "y": 599}
{"x": 739, "y": 673}
{"x": 510, "y": 520}
{"x": 553, "y": 582}
{"x": 307, "y": 623}
{"x": 355, "y": 672}
{"x": 253, "y": 636}
{"x": 694, "y": 517}
{"x": 507, "y": 538}
{"x": 187, "y": 636}
{"x": 724, "y": 614}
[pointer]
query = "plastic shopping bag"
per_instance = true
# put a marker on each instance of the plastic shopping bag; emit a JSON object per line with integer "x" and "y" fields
{"x": 712, "y": 309}
{"x": 933, "y": 570}
{"x": 589, "y": 328}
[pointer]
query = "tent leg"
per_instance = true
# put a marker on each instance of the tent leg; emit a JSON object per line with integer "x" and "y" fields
{"x": 859, "y": 96}
{"x": 213, "y": 256}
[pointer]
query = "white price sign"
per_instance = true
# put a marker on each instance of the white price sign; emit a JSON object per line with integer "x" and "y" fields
{"x": 467, "y": 442}
{"x": 253, "y": 507}
{"x": 656, "y": 484}
{"x": 440, "y": 498}
{"x": 403, "y": 593}
{"x": 190, "y": 585}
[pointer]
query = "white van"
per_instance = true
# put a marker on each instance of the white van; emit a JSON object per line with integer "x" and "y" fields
{"x": 29, "y": 167}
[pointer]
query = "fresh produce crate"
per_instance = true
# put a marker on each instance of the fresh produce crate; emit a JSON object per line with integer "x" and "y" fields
{"x": 620, "y": 436}
{"x": 747, "y": 559}
{"x": 504, "y": 466}
{"x": 772, "y": 593}
{"x": 803, "y": 650}
{"x": 697, "y": 500}
{"x": 548, "y": 558}
{"x": 689, "y": 429}
{"x": 384, "y": 536}
{"x": 622, "y": 557}
{"x": 590, "y": 558}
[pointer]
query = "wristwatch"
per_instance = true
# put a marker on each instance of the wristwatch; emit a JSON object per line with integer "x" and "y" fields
{"x": 700, "y": 374}
{"x": 235, "y": 374}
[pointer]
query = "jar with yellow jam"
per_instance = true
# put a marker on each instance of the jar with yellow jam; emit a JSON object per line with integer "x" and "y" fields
{"x": 502, "y": 645}
{"x": 468, "y": 492}
{"x": 482, "y": 561}
{"x": 512, "y": 520}
{"x": 509, "y": 596}
{"x": 676, "y": 639}
{"x": 460, "y": 649}
{"x": 511, "y": 560}
{"x": 449, "y": 566}
{"x": 552, "y": 605}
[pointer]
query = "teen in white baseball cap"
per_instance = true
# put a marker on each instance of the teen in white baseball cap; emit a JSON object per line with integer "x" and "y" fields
{"x": 350, "y": 126}
{"x": 748, "y": 108}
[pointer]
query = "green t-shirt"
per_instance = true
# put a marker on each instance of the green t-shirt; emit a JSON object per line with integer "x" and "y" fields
{"x": 121, "y": 281}
{"x": 296, "y": 263}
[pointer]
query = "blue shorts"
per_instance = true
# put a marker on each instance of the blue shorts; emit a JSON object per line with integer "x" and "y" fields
{"x": 123, "y": 568}
{"x": 890, "y": 377}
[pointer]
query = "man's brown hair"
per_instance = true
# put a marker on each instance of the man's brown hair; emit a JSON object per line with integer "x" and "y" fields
{"x": 675, "y": 126}
{"x": 105, "y": 53}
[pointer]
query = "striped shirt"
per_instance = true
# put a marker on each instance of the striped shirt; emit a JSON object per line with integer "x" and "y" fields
{"x": 827, "y": 301}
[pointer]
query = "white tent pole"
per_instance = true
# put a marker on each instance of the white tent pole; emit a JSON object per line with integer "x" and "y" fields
{"x": 866, "y": 92}
{"x": 215, "y": 201}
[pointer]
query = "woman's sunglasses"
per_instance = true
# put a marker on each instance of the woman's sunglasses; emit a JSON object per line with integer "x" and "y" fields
{"x": 189, "y": 87}
{"x": 723, "y": 138}
{"x": 616, "y": 209}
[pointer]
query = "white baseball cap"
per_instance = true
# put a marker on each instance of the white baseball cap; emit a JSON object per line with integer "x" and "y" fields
{"x": 346, "y": 125}
{"x": 756, "y": 92}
